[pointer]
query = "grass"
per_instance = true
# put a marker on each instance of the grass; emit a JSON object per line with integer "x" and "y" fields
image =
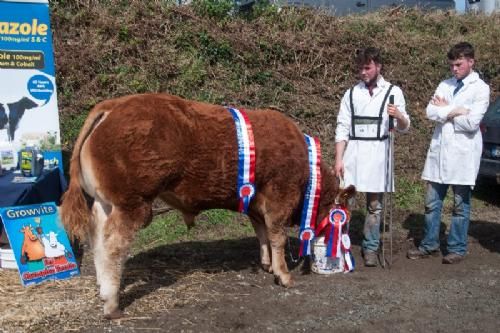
{"x": 409, "y": 193}
{"x": 213, "y": 224}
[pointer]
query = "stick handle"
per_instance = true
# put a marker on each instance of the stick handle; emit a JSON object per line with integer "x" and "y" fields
{"x": 391, "y": 118}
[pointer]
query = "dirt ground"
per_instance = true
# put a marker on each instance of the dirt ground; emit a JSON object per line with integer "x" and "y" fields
{"x": 217, "y": 286}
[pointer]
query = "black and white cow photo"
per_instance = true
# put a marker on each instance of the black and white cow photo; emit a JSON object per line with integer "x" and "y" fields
{"x": 11, "y": 115}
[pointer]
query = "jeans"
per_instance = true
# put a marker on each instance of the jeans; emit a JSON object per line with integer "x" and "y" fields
{"x": 457, "y": 237}
{"x": 371, "y": 230}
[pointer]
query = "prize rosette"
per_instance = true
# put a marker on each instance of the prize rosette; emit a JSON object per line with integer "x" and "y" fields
{"x": 306, "y": 236}
{"x": 332, "y": 227}
{"x": 246, "y": 193}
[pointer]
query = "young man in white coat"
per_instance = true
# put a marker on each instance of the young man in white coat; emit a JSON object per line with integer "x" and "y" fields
{"x": 361, "y": 141}
{"x": 453, "y": 158}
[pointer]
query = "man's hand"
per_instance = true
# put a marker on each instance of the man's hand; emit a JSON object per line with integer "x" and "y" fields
{"x": 439, "y": 101}
{"x": 338, "y": 168}
{"x": 393, "y": 111}
{"x": 458, "y": 111}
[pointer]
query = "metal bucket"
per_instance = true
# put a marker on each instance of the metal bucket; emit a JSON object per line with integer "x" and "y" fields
{"x": 7, "y": 259}
{"x": 321, "y": 264}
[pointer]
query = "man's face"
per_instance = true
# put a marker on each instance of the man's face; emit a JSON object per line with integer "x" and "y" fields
{"x": 461, "y": 67}
{"x": 369, "y": 72}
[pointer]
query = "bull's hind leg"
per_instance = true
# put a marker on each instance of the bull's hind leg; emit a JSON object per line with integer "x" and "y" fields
{"x": 100, "y": 212}
{"x": 112, "y": 248}
{"x": 261, "y": 231}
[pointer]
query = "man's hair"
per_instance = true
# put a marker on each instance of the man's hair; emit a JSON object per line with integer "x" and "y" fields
{"x": 460, "y": 50}
{"x": 365, "y": 56}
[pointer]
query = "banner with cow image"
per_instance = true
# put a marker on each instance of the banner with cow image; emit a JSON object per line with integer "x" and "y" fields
{"x": 41, "y": 247}
{"x": 28, "y": 101}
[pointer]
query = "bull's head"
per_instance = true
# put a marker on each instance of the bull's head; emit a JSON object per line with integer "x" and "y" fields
{"x": 28, "y": 232}
{"x": 344, "y": 196}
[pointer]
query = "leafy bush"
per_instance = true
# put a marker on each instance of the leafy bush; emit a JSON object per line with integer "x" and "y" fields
{"x": 215, "y": 9}
{"x": 213, "y": 50}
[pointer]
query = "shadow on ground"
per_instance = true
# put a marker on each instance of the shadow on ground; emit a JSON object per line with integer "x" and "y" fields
{"x": 164, "y": 265}
{"x": 486, "y": 233}
{"x": 487, "y": 191}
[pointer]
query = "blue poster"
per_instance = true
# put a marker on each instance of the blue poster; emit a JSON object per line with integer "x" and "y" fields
{"x": 29, "y": 119}
{"x": 40, "y": 244}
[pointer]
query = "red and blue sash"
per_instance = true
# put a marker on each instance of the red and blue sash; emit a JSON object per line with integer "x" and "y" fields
{"x": 246, "y": 159}
{"x": 311, "y": 198}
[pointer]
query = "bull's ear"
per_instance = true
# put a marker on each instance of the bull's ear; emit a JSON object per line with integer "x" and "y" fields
{"x": 346, "y": 194}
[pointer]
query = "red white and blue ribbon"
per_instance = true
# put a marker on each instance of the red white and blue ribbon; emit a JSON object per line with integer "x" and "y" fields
{"x": 337, "y": 219}
{"x": 246, "y": 159}
{"x": 311, "y": 198}
{"x": 348, "y": 257}
{"x": 332, "y": 226}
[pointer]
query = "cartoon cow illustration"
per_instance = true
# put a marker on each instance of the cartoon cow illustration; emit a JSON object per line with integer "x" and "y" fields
{"x": 32, "y": 251}
{"x": 55, "y": 252}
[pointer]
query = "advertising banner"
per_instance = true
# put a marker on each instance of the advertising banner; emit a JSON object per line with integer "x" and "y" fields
{"x": 31, "y": 172}
{"x": 29, "y": 120}
{"x": 41, "y": 248}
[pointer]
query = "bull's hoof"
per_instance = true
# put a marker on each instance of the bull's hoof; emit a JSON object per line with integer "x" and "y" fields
{"x": 284, "y": 281}
{"x": 268, "y": 268}
{"x": 116, "y": 314}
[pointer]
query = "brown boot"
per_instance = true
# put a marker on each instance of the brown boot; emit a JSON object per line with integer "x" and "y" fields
{"x": 452, "y": 258}
{"x": 416, "y": 253}
{"x": 370, "y": 257}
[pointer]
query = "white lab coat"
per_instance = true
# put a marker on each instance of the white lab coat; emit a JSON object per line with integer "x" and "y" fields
{"x": 365, "y": 162}
{"x": 455, "y": 150}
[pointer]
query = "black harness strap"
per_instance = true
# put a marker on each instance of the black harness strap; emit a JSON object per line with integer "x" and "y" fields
{"x": 353, "y": 130}
{"x": 382, "y": 107}
{"x": 367, "y": 120}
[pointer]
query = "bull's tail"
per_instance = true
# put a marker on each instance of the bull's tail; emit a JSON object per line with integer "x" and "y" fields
{"x": 75, "y": 208}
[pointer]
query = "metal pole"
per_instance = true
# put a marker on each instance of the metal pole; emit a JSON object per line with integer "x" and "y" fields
{"x": 391, "y": 138}
{"x": 389, "y": 174}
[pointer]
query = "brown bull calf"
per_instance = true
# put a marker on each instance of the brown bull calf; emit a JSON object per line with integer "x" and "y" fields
{"x": 136, "y": 148}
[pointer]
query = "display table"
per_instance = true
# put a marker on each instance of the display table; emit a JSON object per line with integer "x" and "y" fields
{"x": 48, "y": 187}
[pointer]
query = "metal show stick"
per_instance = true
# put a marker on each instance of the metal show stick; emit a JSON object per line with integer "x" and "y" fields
{"x": 389, "y": 177}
